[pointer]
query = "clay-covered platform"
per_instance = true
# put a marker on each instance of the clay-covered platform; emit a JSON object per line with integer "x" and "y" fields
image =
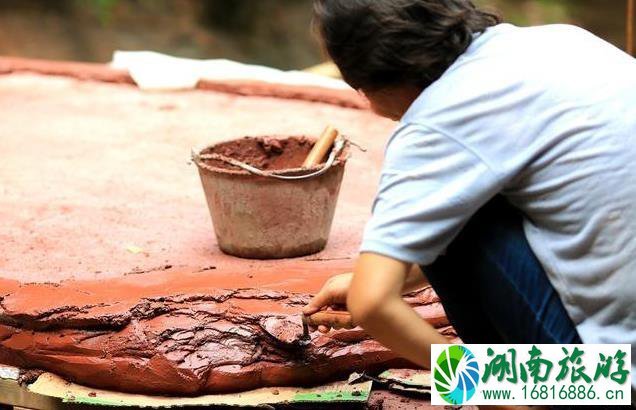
{"x": 109, "y": 270}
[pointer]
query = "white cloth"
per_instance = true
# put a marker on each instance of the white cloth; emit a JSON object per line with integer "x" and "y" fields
{"x": 547, "y": 117}
{"x": 155, "y": 71}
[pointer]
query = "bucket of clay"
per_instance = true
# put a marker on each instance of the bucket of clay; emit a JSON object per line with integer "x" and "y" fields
{"x": 262, "y": 203}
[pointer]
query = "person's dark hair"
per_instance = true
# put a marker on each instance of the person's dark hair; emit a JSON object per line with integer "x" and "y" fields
{"x": 380, "y": 43}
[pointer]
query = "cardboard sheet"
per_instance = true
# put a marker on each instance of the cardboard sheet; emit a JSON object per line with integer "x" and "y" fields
{"x": 51, "y": 385}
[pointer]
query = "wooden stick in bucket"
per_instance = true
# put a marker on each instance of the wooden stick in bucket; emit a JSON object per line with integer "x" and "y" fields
{"x": 322, "y": 147}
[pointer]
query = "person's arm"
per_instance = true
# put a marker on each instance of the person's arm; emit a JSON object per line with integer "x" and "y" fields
{"x": 375, "y": 303}
{"x": 334, "y": 291}
{"x": 431, "y": 185}
{"x": 415, "y": 280}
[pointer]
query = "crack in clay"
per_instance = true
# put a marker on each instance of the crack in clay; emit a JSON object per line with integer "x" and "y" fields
{"x": 67, "y": 316}
{"x": 142, "y": 271}
{"x": 54, "y": 284}
{"x": 206, "y": 269}
{"x": 63, "y": 317}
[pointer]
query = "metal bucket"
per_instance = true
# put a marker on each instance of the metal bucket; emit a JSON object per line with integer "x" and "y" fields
{"x": 266, "y": 216}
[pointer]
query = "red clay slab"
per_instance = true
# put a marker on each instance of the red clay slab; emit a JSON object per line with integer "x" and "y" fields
{"x": 109, "y": 270}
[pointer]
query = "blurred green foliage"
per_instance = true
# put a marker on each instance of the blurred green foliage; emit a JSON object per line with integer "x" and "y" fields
{"x": 227, "y": 12}
{"x": 523, "y": 12}
{"x": 103, "y": 9}
{"x": 269, "y": 32}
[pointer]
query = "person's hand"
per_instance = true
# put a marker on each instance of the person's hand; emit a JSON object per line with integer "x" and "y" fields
{"x": 333, "y": 292}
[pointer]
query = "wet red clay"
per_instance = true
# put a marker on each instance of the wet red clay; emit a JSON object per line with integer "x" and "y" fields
{"x": 109, "y": 270}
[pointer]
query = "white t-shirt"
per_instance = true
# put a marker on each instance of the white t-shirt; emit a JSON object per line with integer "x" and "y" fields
{"x": 545, "y": 116}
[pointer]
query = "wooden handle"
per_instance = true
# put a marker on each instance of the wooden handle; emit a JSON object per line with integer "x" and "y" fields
{"x": 322, "y": 147}
{"x": 331, "y": 318}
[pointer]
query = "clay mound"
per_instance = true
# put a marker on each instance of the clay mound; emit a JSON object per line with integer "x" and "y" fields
{"x": 267, "y": 154}
{"x": 215, "y": 341}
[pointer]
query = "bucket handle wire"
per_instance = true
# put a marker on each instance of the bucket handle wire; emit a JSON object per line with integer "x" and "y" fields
{"x": 338, "y": 147}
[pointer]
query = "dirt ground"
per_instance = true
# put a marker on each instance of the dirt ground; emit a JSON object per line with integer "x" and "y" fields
{"x": 110, "y": 273}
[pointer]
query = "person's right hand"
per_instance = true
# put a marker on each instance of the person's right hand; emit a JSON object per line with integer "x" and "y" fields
{"x": 333, "y": 292}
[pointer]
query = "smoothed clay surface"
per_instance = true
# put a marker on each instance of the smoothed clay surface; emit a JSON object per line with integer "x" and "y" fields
{"x": 110, "y": 274}
{"x": 96, "y": 179}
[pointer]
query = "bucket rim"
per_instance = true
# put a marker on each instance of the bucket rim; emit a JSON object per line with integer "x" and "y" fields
{"x": 341, "y": 160}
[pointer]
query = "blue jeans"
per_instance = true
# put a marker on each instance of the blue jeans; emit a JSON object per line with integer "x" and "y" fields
{"x": 492, "y": 286}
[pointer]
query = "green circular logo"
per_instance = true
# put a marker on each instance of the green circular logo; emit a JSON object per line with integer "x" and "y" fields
{"x": 456, "y": 374}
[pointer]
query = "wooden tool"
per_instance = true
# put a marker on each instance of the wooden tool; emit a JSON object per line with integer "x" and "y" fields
{"x": 322, "y": 147}
{"x": 336, "y": 319}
